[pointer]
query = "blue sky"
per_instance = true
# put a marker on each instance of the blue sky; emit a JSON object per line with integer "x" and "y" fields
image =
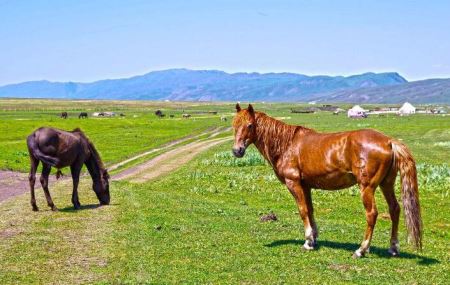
{"x": 92, "y": 40}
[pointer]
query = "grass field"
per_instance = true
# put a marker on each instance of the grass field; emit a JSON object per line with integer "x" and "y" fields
{"x": 117, "y": 138}
{"x": 201, "y": 224}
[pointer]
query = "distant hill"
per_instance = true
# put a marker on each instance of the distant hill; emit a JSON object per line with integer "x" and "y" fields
{"x": 423, "y": 91}
{"x": 212, "y": 85}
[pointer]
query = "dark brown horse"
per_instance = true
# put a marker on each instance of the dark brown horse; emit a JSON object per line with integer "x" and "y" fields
{"x": 59, "y": 149}
{"x": 304, "y": 159}
{"x": 83, "y": 115}
{"x": 64, "y": 115}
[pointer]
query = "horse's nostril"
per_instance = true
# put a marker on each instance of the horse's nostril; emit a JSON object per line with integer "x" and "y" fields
{"x": 238, "y": 152}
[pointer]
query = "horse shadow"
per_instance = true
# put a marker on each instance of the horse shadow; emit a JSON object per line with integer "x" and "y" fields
{"x": 380, "y": 252}
{"x": 71, "y": 209}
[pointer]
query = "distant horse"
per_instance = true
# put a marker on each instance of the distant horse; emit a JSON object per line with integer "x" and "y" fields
{"x": 63, "y": 115}
{"x": 303, "y": 159}
{"x": 223, "y": 119}
{"x": 59, "y": 149}
{"x": 83, "y": 115}
{"x": 186, "y": 116}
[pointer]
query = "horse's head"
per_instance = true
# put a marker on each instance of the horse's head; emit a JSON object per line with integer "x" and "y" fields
{"x": 244, "y": 125}
{"x": 101, "y": 189}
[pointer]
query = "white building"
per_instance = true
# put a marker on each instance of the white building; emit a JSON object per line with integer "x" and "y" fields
{"x": 407, "y": 109}
{"x": 356, "y": 112}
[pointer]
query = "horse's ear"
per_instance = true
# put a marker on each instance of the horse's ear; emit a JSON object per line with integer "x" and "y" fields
{"x": 250, "y": 109}
{"x": 238, "y": 107}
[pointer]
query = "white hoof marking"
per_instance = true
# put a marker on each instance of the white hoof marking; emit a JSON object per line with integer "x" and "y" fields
{"x": 307, "y": 246}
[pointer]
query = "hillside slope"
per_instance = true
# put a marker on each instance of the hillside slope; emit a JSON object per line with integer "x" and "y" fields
{"x": 423, "y": 91}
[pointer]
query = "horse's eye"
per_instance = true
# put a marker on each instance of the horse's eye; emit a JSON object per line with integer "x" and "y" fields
{"x": 250, "y": 126}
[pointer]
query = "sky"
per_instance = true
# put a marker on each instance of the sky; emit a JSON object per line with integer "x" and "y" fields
{"x": 84, "y": 41}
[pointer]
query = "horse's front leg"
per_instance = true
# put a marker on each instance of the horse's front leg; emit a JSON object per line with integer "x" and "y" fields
{"x": 75, "y": 171}
{"x": 302, "y": 196}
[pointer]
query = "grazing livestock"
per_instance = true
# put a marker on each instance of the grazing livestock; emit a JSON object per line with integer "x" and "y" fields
{"x": 63, "y": 115}
{"x": 172, "y": 116}
{"x": 58, "y": 148}
{"x": 186, "y": 116}
{"x": 223, "y": 119}
{"x": 159, "y": 113}
{"x": 83, "y": 115}
{"x": 303, "y": 159}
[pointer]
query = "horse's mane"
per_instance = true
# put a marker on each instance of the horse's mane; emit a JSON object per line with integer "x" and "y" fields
{"x": 92, "y": 148}
{"x": 274, "y": 136}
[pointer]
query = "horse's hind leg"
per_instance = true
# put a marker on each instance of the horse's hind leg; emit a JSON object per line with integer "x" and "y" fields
{"x": 368, "y": 198}
{"x": 75, "y": 170}
{"x": 44, "y": 182}
{"x": 32, "y": 181}
{"x": 387, "y": 187}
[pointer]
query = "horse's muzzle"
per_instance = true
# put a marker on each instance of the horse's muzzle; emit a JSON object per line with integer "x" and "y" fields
{"x": 239, "y": 152}
{"x": 105, "y": 201}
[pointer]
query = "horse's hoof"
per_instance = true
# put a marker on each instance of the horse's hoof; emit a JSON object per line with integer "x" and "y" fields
{"x": 35, "y": 208}
{"x": 393, "y": 252}
{"x": 358, "y": 254}
{"x": 307, "y": 247}
{"x": 54, "y": 209}
{"x": 77, "y": 207}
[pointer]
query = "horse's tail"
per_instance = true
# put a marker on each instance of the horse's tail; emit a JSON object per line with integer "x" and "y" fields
{"x": 37, "y": 153}
{"x": 405, "y": 163}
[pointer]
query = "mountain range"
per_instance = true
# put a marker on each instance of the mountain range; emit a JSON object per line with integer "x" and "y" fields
{"x": 213, "y": 85}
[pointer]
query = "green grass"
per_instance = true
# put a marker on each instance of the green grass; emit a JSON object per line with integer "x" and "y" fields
{"x": 116, "y": 138}
{"x": 201, "y": 223}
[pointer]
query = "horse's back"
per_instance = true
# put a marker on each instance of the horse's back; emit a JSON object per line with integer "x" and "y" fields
{"x": 58, "y": 143}
{"x": 333, "y": 160}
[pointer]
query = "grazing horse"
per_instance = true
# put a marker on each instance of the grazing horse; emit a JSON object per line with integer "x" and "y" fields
{"x": 186, "y": 116}
{"x": 59, "y": 149}
{"x": 304, "y": 159}
{"x": 82, "y": 115}
{"x": 63, "y": 115}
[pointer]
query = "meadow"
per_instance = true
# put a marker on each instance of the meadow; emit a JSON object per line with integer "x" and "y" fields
{"x": 201, "y": 223}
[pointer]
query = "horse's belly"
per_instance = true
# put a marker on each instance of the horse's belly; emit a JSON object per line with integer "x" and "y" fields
{"x": 330, "y": 181}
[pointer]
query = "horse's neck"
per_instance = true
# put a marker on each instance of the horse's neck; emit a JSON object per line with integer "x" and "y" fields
{"x": 273, "y": 137}
{"x": 93, "y": 168}
{"x": 94, "y": 164}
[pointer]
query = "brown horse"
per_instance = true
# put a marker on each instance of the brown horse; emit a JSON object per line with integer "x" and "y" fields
{"x": 304, "y": 159}
{"x": 59, "y": 149}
